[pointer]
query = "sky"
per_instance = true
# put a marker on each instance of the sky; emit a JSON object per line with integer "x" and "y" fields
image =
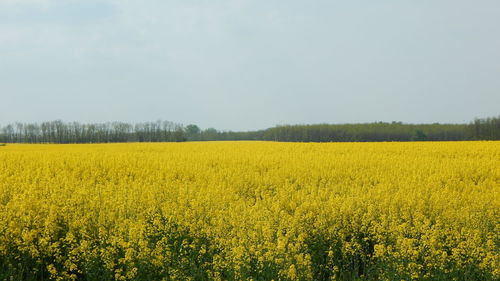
{"x": 246, "y": 65}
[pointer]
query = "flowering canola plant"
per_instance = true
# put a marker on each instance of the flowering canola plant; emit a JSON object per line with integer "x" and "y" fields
{"x": 250, "y": 211}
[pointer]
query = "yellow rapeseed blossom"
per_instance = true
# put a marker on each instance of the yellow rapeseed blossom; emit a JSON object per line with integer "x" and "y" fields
{"x": 250, "y": 211}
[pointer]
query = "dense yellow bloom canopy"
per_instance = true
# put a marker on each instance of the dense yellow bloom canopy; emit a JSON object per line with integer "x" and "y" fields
{"x": 250, "y": 211}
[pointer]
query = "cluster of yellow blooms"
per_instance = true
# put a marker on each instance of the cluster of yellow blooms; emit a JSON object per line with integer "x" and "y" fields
{"x": 250, "y": 211}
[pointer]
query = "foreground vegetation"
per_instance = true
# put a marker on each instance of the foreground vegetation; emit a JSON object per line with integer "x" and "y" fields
{"x": 250, "y": 211}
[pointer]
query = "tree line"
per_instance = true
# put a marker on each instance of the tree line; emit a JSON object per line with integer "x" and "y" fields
{"x": 479, "y": 129}
{"x": 166, "y": 131}
{"x": 484, "y": 129}
{"x": 372, "y": 132}
{"x": 74, "y": 132}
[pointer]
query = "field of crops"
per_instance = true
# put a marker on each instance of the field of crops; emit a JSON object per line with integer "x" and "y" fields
{"x": 250, "y": 211}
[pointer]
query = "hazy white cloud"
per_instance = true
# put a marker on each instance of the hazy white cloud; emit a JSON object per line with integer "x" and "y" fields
{"x": 25, "y": 12}
{"x": 242, "y": 64}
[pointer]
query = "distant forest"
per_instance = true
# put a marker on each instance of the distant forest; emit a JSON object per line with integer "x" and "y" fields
{"x": 165, "y": 131}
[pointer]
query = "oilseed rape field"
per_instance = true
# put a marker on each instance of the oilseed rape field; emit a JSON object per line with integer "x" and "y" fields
{"x": 250, "y": 211}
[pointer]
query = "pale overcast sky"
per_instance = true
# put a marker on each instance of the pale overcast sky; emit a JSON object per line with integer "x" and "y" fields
{"x": 242, "y": 64}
